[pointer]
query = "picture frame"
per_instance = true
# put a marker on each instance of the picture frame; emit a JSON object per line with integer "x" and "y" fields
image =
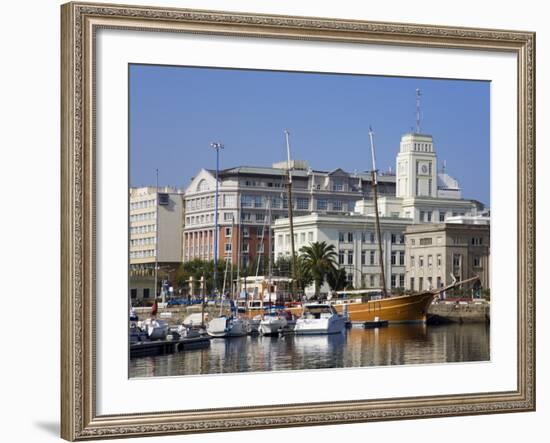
{"x": 79, "y": 344}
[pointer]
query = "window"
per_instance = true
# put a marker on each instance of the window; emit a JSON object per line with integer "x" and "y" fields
{"x": 393, "y": 239}
{"x": 402, "y": 258}
{"x": 341, "y": 237}
{"x": 322, "y": 205}
{"x": 430, "y": 261}
{"x": 425, "y": 241}
{"x": 246, "y": 201}
{"x": 401, "y": 280}
{"x": 337, "y": 187}
{"x": 438, "y": 259}
{"x": 430, "y": 283}
{"x": 246, "y": 232}
{"x": 276, "y": 202}
{"x": 260, "y": 248}
{"x": 402, "y": 240}
{"x": 310, "y": 236}
{"x": 477, "y": 261}
{"x": 341, "y": 257}
{"x": 422, "y": 216}
{"x": 302, "y": 237}
{"x": 372, "y": 237}
{"x": 393, "y": 280}
{"x": 350, "y": 257}
{"x": 337, "y": 205}
{"x": 133, "y": 293}
{"x": 457, "y": 259}
{"x": 350, "y": 237}
{"x": 441, "y": 216}
{"x": 371, "y": 257}
{"x": 260, "y": 217}
{"x": 228, "y": 232}
{"x": 420, "y": 283}
{"x": 477, "y": 241}
{"x": 412, "y": 241}
{"x": 228, "y": 216}
{"x": 420, "y": 261}
{"x": 280, "y": 240}
{"x": 287, "y": 239}
{"x": 412, "y": 261}
{"x": 258, "y": 201}
{"x": 229, "y": 201}
{"x": 429, "y": 214}
{"x": 363, "y": 257}
{"x": 412, "y": 284}
{"x": 246, "y": 216}
{"x": 228, "y": 247}
{"x": 302, "y": 203}
{"x": 246, "y": 248}
{"x": 372, "y": 282}
{"x": 145, "y": 292}
{"x": 393, "y": 257}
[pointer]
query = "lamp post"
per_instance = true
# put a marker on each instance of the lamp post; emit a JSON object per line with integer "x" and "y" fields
{"x": 217, "y": 146}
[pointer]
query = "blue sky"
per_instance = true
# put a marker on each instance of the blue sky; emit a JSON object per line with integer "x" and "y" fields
{"x": 176, "y": 112}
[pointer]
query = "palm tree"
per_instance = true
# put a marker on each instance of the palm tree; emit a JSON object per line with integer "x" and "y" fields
{"x": 319, "y": 259}
{"x": 337, "y": 279}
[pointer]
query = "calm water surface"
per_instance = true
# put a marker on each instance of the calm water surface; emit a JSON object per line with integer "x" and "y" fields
{"x": 393, "y": 345}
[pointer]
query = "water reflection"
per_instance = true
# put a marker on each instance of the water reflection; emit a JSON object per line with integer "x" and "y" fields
{"x": 394, "y": 345}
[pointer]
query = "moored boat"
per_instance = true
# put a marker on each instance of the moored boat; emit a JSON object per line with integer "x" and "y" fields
{"x": 227, "y": 326}
{"x": 319, "y": 318}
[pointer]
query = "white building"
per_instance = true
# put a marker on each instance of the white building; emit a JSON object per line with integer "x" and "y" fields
{"x": 422, "y": 196}
{"x": 422, "y": 193}
{"x": 156, "y": 226}
{"x": 354, "y": 239}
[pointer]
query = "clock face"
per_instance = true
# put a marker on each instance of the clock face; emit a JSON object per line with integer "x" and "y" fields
{"x": 424, "y": 169}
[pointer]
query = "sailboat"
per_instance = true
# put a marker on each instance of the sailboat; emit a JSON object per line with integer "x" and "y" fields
{"x": 224, "y": 325}
{"x": 374, "y": 305}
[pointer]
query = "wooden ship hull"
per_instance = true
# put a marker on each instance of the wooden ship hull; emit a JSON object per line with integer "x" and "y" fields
{"x": 396, "y": 309}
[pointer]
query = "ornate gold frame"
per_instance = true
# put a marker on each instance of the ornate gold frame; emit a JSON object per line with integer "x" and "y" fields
{"x": 79, "y": 420}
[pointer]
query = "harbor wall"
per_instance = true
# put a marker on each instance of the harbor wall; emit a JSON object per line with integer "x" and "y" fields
{"x": 451, "y": 312}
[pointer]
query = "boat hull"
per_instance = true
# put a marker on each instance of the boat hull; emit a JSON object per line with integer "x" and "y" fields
{"x": 333, "y": 325}
{"x": 272, "y": 326}
{"x": 226, "y": 327}
{"x": 399, "y": 309}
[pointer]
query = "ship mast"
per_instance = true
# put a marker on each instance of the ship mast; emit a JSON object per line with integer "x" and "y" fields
{"x": 377, "y": 219}
{"x": 293, "y": 272}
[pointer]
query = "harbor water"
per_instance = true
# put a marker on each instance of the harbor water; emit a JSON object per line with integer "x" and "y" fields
{"x": 393, "y": 345}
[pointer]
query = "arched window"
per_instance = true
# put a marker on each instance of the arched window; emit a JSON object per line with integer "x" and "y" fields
{"x": 202, "y": 186}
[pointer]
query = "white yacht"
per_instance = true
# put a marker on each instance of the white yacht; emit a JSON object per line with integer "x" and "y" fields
{"x": 225, "y": 326}
{"x": 319, "y": 319}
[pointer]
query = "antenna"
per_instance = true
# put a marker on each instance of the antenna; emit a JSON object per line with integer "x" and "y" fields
{"x": 418, "y": 94}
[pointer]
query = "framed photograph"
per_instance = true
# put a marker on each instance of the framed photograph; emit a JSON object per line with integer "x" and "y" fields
{"x": 275, "y": 221}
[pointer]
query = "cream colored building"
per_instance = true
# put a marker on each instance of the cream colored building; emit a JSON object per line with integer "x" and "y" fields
{"x": 435, "y": 251}
{"x": 156, "y": 226}
{"x": 354, "y": 239}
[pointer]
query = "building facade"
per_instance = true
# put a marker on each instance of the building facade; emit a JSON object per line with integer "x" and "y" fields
{"x": 354, "y": 239}
{"x": 435, "y": 253}
{"x": 156, "y": 226}
{"x": 251, "y": 199}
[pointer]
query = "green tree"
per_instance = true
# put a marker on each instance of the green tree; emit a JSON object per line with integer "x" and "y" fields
{"x": 336, "y": 279}
{"x": 319, "y": 260}
{"x": 196, "y": 269}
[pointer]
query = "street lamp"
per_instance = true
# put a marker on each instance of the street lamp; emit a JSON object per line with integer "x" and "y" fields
{"x": 217, "y": 146}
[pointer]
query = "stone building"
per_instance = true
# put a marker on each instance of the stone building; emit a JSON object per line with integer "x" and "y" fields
{"x": 435, "y": 251}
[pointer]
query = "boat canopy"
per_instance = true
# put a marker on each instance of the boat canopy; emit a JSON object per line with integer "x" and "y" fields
{"x": 360, "y": 292}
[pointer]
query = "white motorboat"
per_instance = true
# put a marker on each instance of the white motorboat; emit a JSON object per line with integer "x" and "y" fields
{"x": 156, "y": 329}
{"x": 319, "y": 319}
{"x": 273, "y": 322}
{"x": 225, "y": 326}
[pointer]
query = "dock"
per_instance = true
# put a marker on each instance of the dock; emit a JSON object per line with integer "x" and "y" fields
{"x": 163, "y": 347}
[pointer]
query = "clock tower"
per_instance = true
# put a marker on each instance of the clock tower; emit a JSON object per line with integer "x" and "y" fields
{"x": 416, "y": 167}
